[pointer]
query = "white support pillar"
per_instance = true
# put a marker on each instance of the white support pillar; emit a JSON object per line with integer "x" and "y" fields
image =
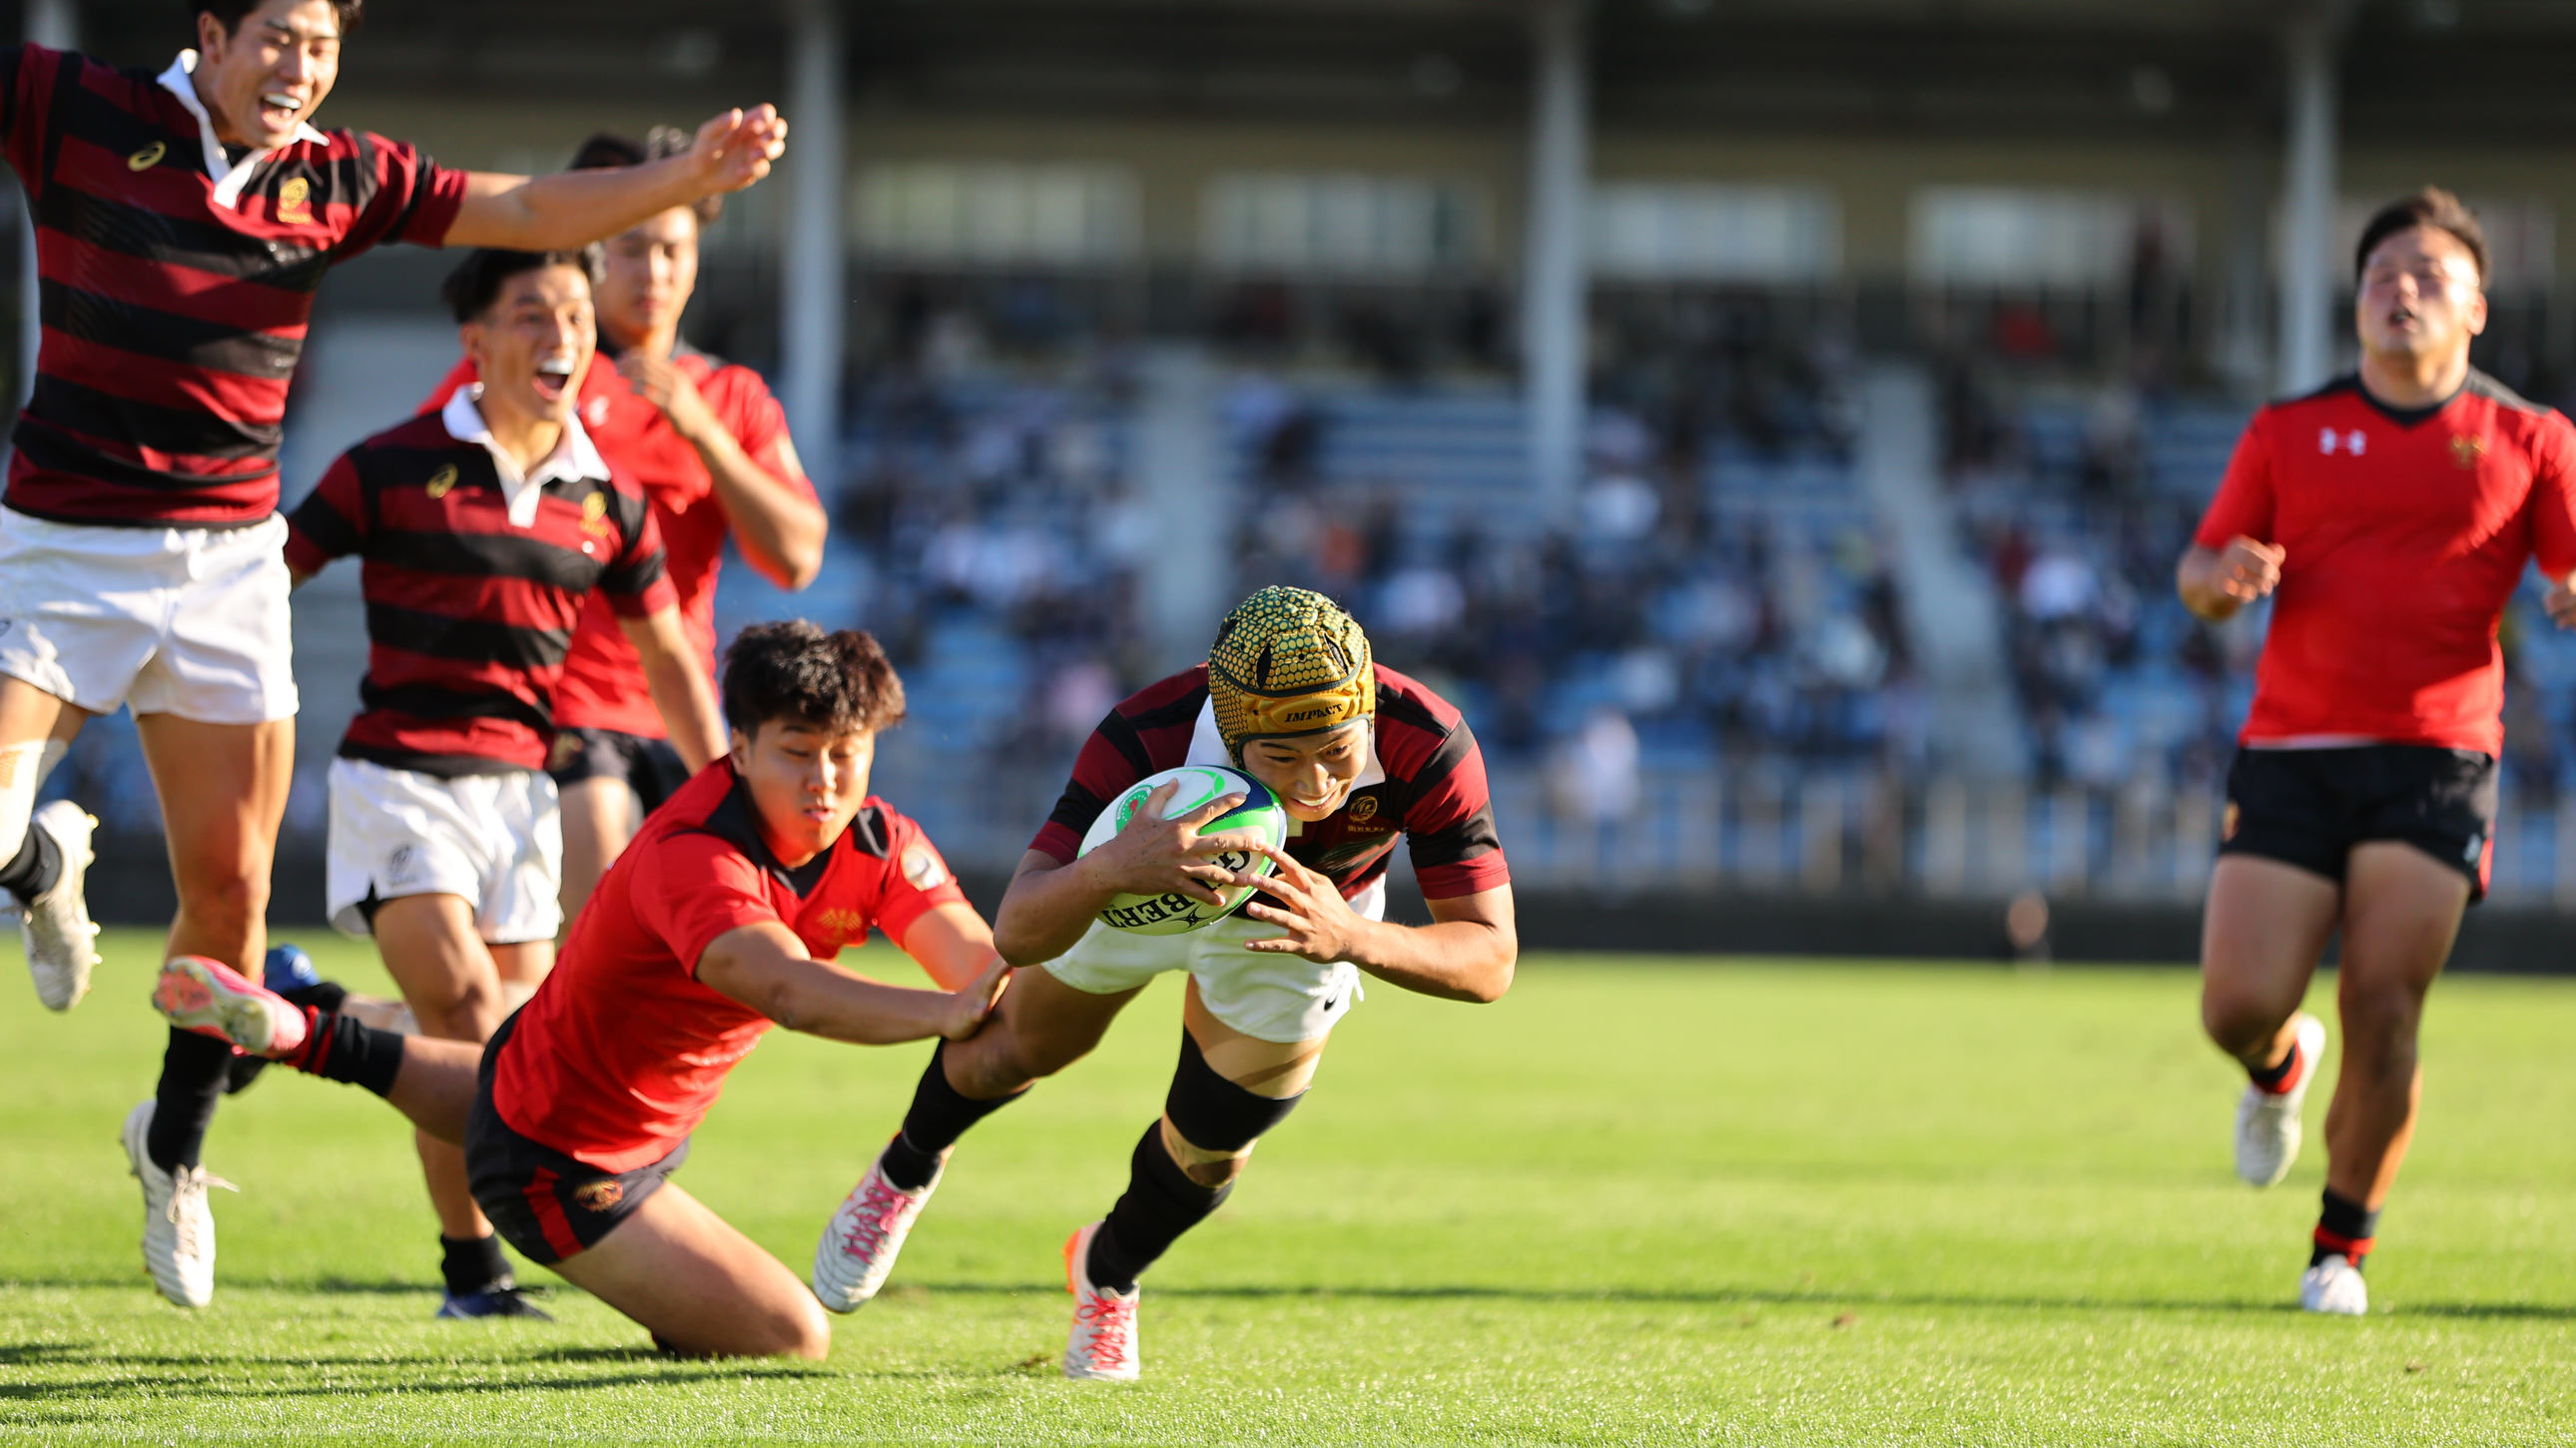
{"x": 2313, "y": 45}
{"x": 1552, "y": 263}
{"x": 50, "y": 23}
{"x": 813, "y": 298}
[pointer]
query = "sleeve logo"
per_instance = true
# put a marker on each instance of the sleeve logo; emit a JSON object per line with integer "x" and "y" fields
{"x": 147, "y": 158}
{"x": 922, "y": 866}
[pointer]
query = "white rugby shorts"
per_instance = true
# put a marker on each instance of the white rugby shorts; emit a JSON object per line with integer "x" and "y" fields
{"x": 496, "y": 840}
{"x": 184, "y": 621}
{"x": 1278, "y": 998}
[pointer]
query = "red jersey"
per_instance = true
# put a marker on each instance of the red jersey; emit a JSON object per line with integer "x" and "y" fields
{"x": 621, "y": 1052}
{"x": 1425, "y": 782}
{"x": 468, "y": 607}
{"x": 175, "y": 284}
{"x": 603, "y": 681}
{"x": 2403, "y": 534}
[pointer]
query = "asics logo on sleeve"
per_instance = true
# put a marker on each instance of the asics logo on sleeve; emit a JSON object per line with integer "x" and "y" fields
{"x": 2330, "y": 442}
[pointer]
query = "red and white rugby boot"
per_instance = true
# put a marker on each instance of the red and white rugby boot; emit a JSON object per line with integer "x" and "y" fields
{"x": 61, "y": 939}
{"x": 863, "y": 1238}
{"x": 2267, "y": 1122}
{"x": 1103, "y": 1347}
{"x": 213, "y": 999}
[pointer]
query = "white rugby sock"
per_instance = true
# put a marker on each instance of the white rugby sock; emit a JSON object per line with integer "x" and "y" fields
{"x": 22, "y": 769}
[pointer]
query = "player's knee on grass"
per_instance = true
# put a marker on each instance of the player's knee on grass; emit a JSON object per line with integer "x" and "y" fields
{"x": 790, "y": 1326}
{"x": 1210, "y": 1124}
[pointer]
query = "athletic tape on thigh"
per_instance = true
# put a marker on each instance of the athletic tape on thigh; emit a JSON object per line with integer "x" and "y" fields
{"x": 1214, "y": 1114}
{"x": 22, "y": 768}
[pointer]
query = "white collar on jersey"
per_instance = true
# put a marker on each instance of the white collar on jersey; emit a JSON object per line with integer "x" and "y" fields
{"x": 572, "y": 460}
{"x": 230, "y": 176}
{"x": 1208, "y": 747}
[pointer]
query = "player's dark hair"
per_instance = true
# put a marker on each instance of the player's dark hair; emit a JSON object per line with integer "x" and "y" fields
{"x": 2433, "y": 207}
{"x": 469, "y": 290}
{"x": 230, "y": 13}
{"x": 835, "y": 682}
{"x": 608, "y": 151}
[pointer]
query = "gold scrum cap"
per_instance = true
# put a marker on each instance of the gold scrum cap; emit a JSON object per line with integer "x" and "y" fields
{"x": 1288, "y": 661}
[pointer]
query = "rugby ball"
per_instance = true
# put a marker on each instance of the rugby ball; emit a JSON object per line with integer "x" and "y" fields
{"x": 1258, "y": 815}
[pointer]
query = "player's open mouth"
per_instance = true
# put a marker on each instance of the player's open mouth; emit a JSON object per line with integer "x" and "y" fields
{"x": 553, "y": 376}
{"x": 278, "y": 110}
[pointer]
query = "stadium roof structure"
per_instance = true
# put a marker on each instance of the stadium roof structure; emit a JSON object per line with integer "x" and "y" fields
{"x": 2446, "y": 68}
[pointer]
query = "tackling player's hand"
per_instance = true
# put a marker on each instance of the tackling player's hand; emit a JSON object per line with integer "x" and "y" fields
{"x": 658, "y": 381}
{"x": 735, "y": 149}
{"x": 2561, "y": 603}
{"x": 1317, "y": 923}
{"x": 971, "y": 1004}
{"x": 1158, "y": 856}
{"x": 2249, "y": 569}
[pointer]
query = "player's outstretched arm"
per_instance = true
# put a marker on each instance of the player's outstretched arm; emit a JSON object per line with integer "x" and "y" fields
{"x": 575, "y": 208}
{"x": 679, "y": 688}
{"x": 765, "y": 967}
{"x": 1051, "y": 902}
{"x": 951, "y": 944}
{"x": 1466, "y": 953}
{"x": 2216, "y": 582}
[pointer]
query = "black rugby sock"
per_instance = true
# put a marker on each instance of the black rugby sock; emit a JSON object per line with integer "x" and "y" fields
{"x": 1160, "y": 1203}
{"x": 2345, "y": 1228}
{"x": 473, "y": 1264}
{"x": 322, "y": 995}
{"x": 194, "y": 1069}
{"x": 35, "y": 868}
{"x": 938, "y": 1116}
{"x": 340, "y": 1048}
{"x": 2271, "y": 1077}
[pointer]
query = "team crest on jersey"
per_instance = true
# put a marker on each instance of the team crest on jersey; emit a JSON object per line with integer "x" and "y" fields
{"x": 2330, "y": 442}
{"x": 922, "y": 867}
{"x": 1363, "y": 809}
{"x": 594, "y": 516}
{"x": 2467, "y": 449}
{"x": 295, "y": 201}
{"x": 147, "y": 158}
{"x": 441, "y": 481}
{"x": 600, "y": 1195}
{"x": 842, "y": 924}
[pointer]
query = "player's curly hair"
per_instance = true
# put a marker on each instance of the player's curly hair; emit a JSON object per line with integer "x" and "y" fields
{"x": 229, "y": 13}
{"x": 1288, "y": 661}
{"x": 609, "y": 150}
{"x": 835, "y": 682}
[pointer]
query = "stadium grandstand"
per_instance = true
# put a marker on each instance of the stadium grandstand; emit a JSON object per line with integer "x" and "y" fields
{"x": 1775, "y": 420}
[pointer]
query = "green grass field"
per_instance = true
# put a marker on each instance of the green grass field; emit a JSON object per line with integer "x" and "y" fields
{"x": 1638, "y": 1201}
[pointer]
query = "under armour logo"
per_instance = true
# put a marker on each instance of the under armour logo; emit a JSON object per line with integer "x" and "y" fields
{"x": 2355, "y": 442}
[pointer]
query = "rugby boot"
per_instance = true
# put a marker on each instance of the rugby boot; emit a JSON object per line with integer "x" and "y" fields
{"x": 861, "y": 1241}
{"x": 2334, "y": 1286}
{"x": 1103, "y": 1346}
{"x": 2267, "y": 1122}
{"x": 286, "y": 968}
{"x": 212, "y": 999}
{"x": 61, "y": 939}
{"x": 178, "y": 1226}
{"x": 508, "y": 1301}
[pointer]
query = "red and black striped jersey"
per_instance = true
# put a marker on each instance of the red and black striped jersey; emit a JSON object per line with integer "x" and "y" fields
{"x": 621, "y": 1052}
{"x": 175, "y": 285}
{"x": 469, "y": 611}
{"x": 1425, "y": 783}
